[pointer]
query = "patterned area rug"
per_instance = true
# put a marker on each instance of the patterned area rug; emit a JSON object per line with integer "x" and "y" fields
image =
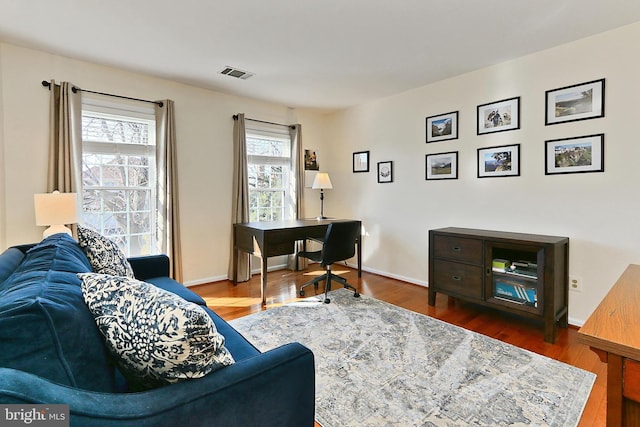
{"x": 382, "y": 365}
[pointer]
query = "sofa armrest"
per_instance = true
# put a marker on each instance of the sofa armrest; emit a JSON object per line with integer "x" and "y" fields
{"x": 275, "y": 388}
{"x": 146, "y": 267}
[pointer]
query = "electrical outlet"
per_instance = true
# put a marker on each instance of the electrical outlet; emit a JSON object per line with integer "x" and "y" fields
{"x": 575, "y": 283}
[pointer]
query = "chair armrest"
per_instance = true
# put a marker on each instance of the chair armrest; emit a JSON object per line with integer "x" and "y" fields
{"x": 275, "y": 388}
{"x": 146, "y": 267}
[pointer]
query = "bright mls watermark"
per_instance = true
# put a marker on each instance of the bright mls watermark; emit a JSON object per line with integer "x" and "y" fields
{"x": 34, "y": 415}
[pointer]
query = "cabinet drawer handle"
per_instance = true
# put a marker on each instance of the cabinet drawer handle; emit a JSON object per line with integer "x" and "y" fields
{"x": 458, "y": 278}
{"x": 456, "y": 248}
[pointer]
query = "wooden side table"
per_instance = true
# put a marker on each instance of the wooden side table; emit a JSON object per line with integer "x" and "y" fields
{"x": 613, "y": 333}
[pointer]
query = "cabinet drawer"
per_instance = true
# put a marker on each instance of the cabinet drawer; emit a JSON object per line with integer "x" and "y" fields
{"x": 458, "y": 249}
{"x": 458, "y": 279}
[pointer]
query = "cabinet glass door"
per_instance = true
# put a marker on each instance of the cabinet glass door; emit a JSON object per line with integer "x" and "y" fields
{"x": 515, "y": 276}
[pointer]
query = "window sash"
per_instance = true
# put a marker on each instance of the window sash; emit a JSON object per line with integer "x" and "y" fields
{"x": 269, "y": 203}
{"x": 126, "y": 209}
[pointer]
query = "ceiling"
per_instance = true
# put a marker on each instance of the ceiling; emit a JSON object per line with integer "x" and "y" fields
{"x": 321, "y": 54}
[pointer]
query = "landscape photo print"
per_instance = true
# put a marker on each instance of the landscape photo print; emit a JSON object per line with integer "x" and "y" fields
{"x": 574, "y": 155}
{"x": 442, "y": 127}
{"x": 577, "y": 102}
{"x": 442, "y": 166}
{"x": 499, "y": 161}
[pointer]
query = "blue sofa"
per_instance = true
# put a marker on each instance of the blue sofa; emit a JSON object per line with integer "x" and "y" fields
{"x": 51, "y": 352}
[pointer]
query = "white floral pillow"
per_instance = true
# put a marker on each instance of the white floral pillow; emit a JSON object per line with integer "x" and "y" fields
{"x": 104, "y": 254}
{"x": 157, "y": 337}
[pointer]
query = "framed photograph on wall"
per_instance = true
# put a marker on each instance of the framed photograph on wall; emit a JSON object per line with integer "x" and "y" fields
{"x": 311, "y": 160}
{"x": 361, "y": 161}
{"x": 574, "y": 155}
{"x": 385, "y": 171}
{"x": 499, "y": 161}
{"x": 442, "y": 166}
{"x": 442, "y": 127}
{"x": 499, "y": 116}
{"x": 582, "y": 101}
{"x": 311, "y": 166}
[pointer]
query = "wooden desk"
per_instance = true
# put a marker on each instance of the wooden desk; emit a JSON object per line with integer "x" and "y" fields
{"x": 613, "y": 333}
{"x": 267, "y": 239}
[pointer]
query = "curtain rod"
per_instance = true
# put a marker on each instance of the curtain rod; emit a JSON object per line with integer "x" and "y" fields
{"x": 235, "y": 117}
{"x": 75, "y": 89}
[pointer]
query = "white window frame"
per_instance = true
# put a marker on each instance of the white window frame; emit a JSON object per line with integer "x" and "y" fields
{"x": 100, "y": 107}
{"x": 279, "y": 133}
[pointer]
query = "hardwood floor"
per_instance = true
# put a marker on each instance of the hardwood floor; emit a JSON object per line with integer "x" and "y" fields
{"x": 231, "y": 301}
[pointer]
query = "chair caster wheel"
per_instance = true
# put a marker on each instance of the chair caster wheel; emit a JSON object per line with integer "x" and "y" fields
{"x": 356, "y": 295}
{"x": 327, "y": 300}
{"x": 301, "y": 293}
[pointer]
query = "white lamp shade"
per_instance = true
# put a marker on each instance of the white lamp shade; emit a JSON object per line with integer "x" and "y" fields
{"x": 56, "y": 208}
{"x": 322, "y": 181}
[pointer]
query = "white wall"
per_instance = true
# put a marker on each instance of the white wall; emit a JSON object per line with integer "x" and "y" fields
{"x": 204, "y": 132}
{"x": 597, "y": 211}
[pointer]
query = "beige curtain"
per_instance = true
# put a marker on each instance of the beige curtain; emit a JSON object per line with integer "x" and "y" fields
{"x": 167, "y": 186}
{"x": 65, "y": 139}
{"x": 297, "y": 172}
{"x": 240, "y": 194}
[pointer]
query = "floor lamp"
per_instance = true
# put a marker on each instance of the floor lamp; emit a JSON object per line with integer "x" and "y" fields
{"x": 322, "y": 182}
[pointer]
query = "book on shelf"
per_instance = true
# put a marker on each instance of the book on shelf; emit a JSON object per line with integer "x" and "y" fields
{"x": 516, "y": 268}
{"x": 528, "y": 274}
{"x": 524, "y": 272}
{"x": 500, "y": 264}
{"x": 524, "y": 264}
{"x": 516, "y": 292}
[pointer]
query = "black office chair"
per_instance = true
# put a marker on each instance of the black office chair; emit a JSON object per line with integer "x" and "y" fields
{"x": 339, "y": 244}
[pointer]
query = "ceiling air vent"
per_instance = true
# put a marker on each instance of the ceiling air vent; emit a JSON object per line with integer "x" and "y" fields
{"x": 234, "y": 72}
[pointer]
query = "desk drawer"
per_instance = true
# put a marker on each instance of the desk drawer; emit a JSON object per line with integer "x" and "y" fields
{"x": 284, "y": 248}
{"x": 457, "y": 279}
{"x": 458, "y": 249}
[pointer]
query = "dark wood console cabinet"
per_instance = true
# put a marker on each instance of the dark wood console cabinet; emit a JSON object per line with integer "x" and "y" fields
{"x": 523, "y": 274}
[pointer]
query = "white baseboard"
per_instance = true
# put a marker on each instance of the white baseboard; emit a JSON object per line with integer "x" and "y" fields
{"x": 205, "y": 280}
{"x": 576, "y": 322}
{"x": 220, "y": 278}
{"x": 573, "y": 322}
{"x": 392, "y": 276}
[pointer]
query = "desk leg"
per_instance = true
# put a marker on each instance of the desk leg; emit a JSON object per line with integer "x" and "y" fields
{"x": 234, "y": 278}
{"x": 263, "y": 278}
{"x": 304, "y": 249}
{"x": 359, "y": 252}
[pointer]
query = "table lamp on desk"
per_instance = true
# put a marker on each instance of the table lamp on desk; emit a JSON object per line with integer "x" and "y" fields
{"x": 322, "y": 182}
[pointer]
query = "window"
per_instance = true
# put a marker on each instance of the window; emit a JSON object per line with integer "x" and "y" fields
{"x": 269, "y": 170}
{"x": 118, "y": 174}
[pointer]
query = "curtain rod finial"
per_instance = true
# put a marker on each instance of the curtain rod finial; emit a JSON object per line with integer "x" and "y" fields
{"x": 46, "y": 83}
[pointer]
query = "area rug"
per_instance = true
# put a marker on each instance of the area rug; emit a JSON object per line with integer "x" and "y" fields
{"x": 381, "y": 365}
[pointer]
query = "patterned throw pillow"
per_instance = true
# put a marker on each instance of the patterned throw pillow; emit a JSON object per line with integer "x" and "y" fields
{"x": 156, "y": 337}
{"x": 104, "y": 254}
